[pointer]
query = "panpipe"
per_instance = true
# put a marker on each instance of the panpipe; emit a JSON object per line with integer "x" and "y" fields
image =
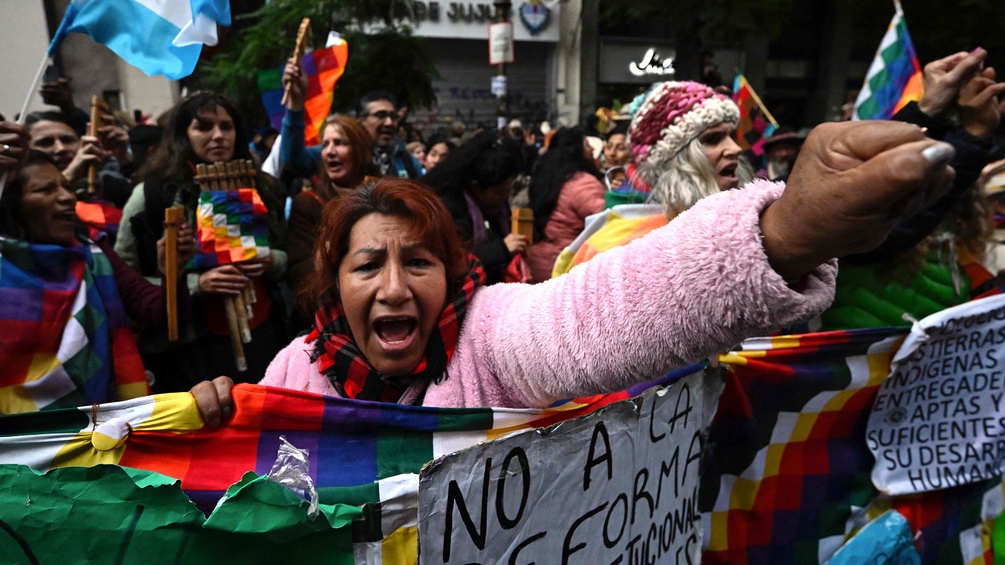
{"x": 233, "y": 175}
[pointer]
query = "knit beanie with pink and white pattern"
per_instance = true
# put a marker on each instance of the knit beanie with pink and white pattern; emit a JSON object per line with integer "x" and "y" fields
{"x": 670, "y": 115}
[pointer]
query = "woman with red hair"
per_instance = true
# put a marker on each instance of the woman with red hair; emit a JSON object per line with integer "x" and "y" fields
{"x": 404, "y": 316}
{"x": 346, "y": 159}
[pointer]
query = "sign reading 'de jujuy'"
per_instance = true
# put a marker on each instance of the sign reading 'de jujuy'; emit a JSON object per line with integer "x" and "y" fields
{"x": 939, "y": 417}
{"x": 619, "y": 485}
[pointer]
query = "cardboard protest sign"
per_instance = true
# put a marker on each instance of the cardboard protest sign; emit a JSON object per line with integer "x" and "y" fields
{"x": 164, "y": 434}
{"x": 939, "y": 418}
{"x": 619, "y": 484}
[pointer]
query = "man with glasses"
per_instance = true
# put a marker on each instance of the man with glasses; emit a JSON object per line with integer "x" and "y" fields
{"x": 378, "y": 113}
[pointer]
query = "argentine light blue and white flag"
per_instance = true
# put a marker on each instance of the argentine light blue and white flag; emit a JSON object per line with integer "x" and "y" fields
{"x": 159, "y": 37}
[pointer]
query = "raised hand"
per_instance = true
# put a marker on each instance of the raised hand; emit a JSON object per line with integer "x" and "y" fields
{"x": 294, "y": 76}
{"x": 186, "y": 248}
{"x": 58, "y": 94}
{"x": 516, "y": 243}
{"x": 944, "y": 77}
{"x": 115, "y": 139}
{"x": 90, "y": 152}
{"x": 980, "y": 104}
{"x": 852, "y": 184}
{"x": 13, "y": 146}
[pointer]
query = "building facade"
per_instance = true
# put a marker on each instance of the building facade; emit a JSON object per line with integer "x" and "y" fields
{"x": 456, "y": 34}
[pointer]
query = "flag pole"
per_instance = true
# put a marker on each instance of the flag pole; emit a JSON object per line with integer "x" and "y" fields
{"x": 34, "y": 87}
{"x": 757, "y": 100}
{"x": 24, "y": 108}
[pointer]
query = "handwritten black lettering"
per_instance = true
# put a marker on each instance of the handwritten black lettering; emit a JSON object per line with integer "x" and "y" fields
{"x": 456, "y": 497}
{"x": 568, "y": 551}
{"x": 519, "y": 454}
{"x": 593, "y": 459}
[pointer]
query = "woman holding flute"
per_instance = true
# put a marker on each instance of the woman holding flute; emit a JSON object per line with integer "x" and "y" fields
{"x": 204, "y": 128}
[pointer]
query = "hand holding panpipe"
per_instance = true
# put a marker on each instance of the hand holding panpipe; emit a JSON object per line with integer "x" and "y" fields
{"x": 232, "y": 176}
{"x": 98, "y": 110}
{"x": 298, "y": 51}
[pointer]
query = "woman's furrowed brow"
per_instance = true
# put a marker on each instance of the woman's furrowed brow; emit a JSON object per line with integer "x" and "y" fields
{"x": 383, "y": 250}
{"x": 370, "y": 251}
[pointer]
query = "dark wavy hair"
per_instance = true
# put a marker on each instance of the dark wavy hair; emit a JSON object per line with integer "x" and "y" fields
{"x": 404, "y": 198}
{"x": 175, "y": 149}
{"x": 485, "y": 159}
{"x": 563, "y": 159}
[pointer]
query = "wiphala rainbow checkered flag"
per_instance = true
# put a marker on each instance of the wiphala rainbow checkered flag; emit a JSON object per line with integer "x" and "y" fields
{"x": 787, "y": 474}
{"x": 756, "y": 123}
{"x": 65, "y": 338}
{"x": 99, "y": 216}
{"x": 232, "y": 227}
{"x": 323, "y": 68}
{"x": 364, "y": 458}
{"x": 894, "y": 77}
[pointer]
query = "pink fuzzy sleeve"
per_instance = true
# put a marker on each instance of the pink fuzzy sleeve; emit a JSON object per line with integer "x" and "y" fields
{"x": 292, "y": 368}
{"x": 699, "y": 285}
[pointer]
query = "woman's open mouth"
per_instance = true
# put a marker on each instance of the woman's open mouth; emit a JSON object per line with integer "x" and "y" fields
{"x": 728, "y": 174}
{"x": 395, "y": 332}
{"x": 68, "y": 216}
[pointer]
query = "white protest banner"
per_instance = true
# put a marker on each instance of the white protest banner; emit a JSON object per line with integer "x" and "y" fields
{"x": 619, "y": 485}
{"x": 939, "y": 417}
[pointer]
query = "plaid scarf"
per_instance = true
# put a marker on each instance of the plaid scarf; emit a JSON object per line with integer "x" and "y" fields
{"x": 340, "y": 359}
{"x": 66, "y": 340}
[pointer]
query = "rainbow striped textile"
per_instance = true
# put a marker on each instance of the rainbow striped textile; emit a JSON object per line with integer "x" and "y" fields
{"x": 65, "y": 340}
{"x": 786, "y": 476}
{"x": 164, "y": 434}
{"x": 613, "y": 227}
{"x": 894, "y": 77}
{"x": 232, "y": 227}
{"x": 100, "y": 216}
{"x": 788, "y": 479}
{"x": 323, "y": 68}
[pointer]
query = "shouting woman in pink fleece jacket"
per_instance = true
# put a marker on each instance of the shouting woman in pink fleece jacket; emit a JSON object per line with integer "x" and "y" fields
{"x": 404, "y": 318}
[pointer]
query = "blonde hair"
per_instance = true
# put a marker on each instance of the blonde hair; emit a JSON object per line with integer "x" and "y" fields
{"x": 680, "y": 182}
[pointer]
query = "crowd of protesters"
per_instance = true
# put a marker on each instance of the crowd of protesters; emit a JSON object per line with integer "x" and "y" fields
{"x": 394, "y": 273}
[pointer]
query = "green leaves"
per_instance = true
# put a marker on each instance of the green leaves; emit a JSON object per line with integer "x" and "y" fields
{"x": 382, "y": 51}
